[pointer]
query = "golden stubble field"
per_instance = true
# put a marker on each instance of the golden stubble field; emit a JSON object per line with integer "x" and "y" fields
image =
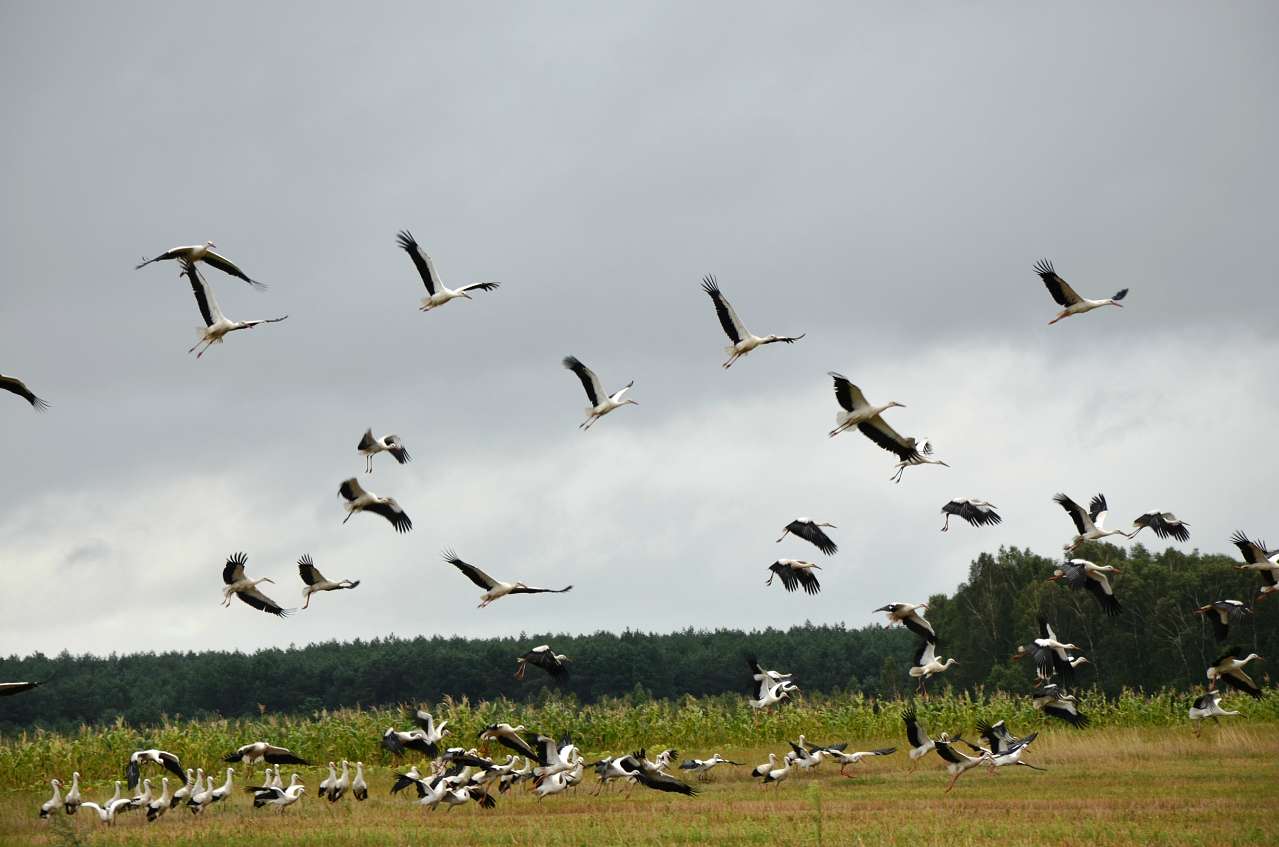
{"x": 1104, "y": 787}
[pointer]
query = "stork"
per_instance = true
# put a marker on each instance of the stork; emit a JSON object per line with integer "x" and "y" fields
{"x": 1005, "y": 748}
{"x": 279, "y": 797}
{"x": 702, "y": 767}
{"x": 542, "y": 656}
{"x": 315, "y": 581}
{"x": 927, "y": 664}
{"x": 1221, "y": 614}
{"x": 1229, "y": 668}
{"x": 184, "y": 791}
{"x": 239, "y": 585}
{"x": 772, "y": 693}
{"x": 437, "y": 294}
{"x": 601, "y": 403}
{"x": 857, "y": 411}
{"x": 957, "y": 762}
{"x": 975, "y": 512}
{"x": 203, "y": 253}
{"x": 907, "y": 614}
{"x": 923, "y": 455}
{"x": 1051, "y": 656}
{"x": 795, "y": 574}
{"x": 370, "y": 446}
{"x": 1081, "y": 573}
{"x": 1257, "y": 558}
{"x": 16, "y": 386}
{"x": 223, "y": 791}
{"x": 216, "y": 325}
{"x": 159, "y": 805}
{"x": 1208, "y": 705}
{"x": 509, "y": 737}
{"x": 1090, "y": 522}
{"x": 1065, "y": 296}
{"x": 1051, "y": 699}
{"x": 261, "y": 751}
{"x": 54, "y": 803}
{"x": 339, "y": 786}
{"x": 1162, "y": 524}
{"x": 327, "y": 782}
{"x": 811, "y": 531}
{"x": 359, "y": 500}
{"x": 743, "y": 340}
{"x": 163, "y": 758}
{"x": 494, "y": 589}
{"x": 846, "y": 759}
{"x": 71, "y": 802}
{"x": 359, "y": 786}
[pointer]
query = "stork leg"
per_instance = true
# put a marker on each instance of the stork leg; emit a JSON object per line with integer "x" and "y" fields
{"x": 945, "y": 527}
{"x": 953, "y": 780}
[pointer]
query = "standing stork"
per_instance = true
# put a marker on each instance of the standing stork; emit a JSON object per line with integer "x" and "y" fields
{"x": 370, "y": 446}
{"x": 203, "y": 253}
{"x": 239, "y": 585}
{"x": 359, "y": 500}
{"x": 1090, "y": 522}
{"x": 1081, "y": 573}
{"x": 793, "y": 573}
{"x": 54, "y": 803}
{"x": 1065, "y": 296}
{"x": 542, "y": 656}
{"x": 72, "y": 801}
{"x": 315, "y": 580}
{"x": 975, "y": 512}
{"x": 601, "y": 403}
{"x": 811, "y": 531}
{"x": 927, "y": 664}
{"x": 495, "y": 589}
{"x": 16, "y": 386}
{"x": 1208, "y": 705}
{"x": 216, "y": 325}
{"x": 743, "y": 340}
{"x": 908, "y": 615}
{"x": 1221, "y": 614}
{"x": 1162, "y": 524}
{"x": 1229, "y": 668}
{"x": 437, "y": 294}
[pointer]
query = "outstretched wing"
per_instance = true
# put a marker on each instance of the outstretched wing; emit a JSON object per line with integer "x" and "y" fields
{"x": 204, "y": 298}
{"x": 225, "y": 265}
{"x": 594, "y": 391}
{"x": 233, "y": 570}
{"x": 258, "y": 600}
{"x": 813, "y": 534}
{"x": 472, "y": 573}
{"x": 425, "y": 267}
{"x": 308, "y": 571}
{"x": 1060, "y": 290}
{"x": 728, "y": 319}
{"x": 1097, "y": 509}
{"x": 1073, "y": 509}
{"x": 878, "y": 431}
{"x": 396, "y": 448}
{"x": 528, "y": 589}
{"x": 351, "y": 489}
{"x": 848, "y": 396}
{"x": 480, "y": 286}
{"x": 392, "y": 511}
{"x": 18, "y": 387}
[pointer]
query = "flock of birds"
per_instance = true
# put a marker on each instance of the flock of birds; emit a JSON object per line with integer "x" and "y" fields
{"x": 457, "y": 776}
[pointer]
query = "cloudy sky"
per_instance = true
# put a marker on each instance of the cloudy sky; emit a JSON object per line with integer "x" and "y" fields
{"x": 880, "y": 177}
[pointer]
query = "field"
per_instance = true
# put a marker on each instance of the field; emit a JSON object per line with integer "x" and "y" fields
{"x": 1150, "y": 782}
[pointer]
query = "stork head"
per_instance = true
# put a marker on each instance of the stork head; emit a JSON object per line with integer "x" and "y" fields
{"x": 209, "y": 244}
{"x": 1203, "y": 610}
{"x": 1057, "y": 575}
{"x": 895, "y": 404}
{"x": 1020, "y": 654}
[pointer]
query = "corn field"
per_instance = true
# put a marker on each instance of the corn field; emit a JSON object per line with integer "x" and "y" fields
{"x": 694, "y": 725}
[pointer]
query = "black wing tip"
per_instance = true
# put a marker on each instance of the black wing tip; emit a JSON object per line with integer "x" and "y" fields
{"x": 571, "y": 362}
{"x": 405, "y": 240}
{"x": 237, "y": 559}
{"x": 1044, "y": 267}
{"x": 710, "y": 285}
{"x": 1120, "y": 294}
{"x": 306, "y": 559}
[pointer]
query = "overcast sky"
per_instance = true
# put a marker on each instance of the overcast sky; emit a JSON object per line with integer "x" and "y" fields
{"x": 881, "y": 178}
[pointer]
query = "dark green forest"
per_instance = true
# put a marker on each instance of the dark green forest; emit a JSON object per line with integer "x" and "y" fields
{"x": 1156, "y": 643}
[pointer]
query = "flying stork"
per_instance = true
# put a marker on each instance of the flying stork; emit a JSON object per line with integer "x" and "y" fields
{"x": 239, "y": 585}
{"x": 923, "y": 455}
{"x": 370, "y": 446}
{"x": 975, "y": 512}
{"x": 359, "y": 500}
{"x": 1208, "y": 705}
{"x": 437, "y": 294}
{"x": 1257, "y": 558}
{"x": 927, "y": 664}
{"x": 509, "y": 737}
{"x": 920, "y": 743}
{"x": 542, "y": 656}
{"x": 957, "y": 762}
{"x": 1051, "y": 699}
{"x": 1065, "y": 296}
{"x": 908, "y": 615}
{"x": 1005, "y": 748}
{"x": 261, "y": 751}
{"x": 8, "y": 689}
{"x": 315, "y": 580}
{"x": 133, "y": 770}
{"x": 203, "y": 253}
{"x": 1089, "y": 523}
{"x": 493, "y": 589}
{"x": 702, "y": 767}
{"x": 16, "y": 386}
{"x": 601, "y": 403}
{"x": 1162, "y": 524}
{"x": 1051, "y": 656}
{"x": 858, "y": 412}
{"x": 743, "y": 340}
{"x": 216, "y": 325}
{"x": 1221, "y": 614}
{"x": 1081, "y": 573}
{"x": 793, "y": 573}
{"x": 772, "y": 693}
{"x": 760, "y": 675}
{"x": 811, "y": 531}
{"x": 1229, "y": 668}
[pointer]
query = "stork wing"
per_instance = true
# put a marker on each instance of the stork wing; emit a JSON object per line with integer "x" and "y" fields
{"x": 1076, "y": 512}
{"x": 258, "y": 600}
{"x": 396, "y": 448}
{"x": 1097, "y": 509}
{"x": 233, "y": 570}
{"x": 787, "y": 575}
{"x": 1100, "y": 588}
{"x": 594, "y": 391}
{"x": 392, "y": 512}
{"x": 351, "y": 490}
{"x": 813, "y": 534}
{"x": 808, "y": 579}
{"x": 914, "y": 732}
{"x": 308, "y": 571}
{"x": 281, "y": 756}
{"x": 1060, "y": 290}
{"x": 878, "y": 431}
{"x": 849, "y": 396}
{"x": 204, "y": 298}
{"x": 172, "y": 765}
{"x": 1253, "y": 552}
{"x": 480, "y": 286}
{"x": 18, "y": 387}
{"x": 367, "y": 441}
{"x": 926, "y": 654}
{"x": 517, "y": 744}
{"x": 1046, "y": 630}
{"x": 532, "y": 590}
{"x": 425, "y": 267}
{"x": 920, "y": 626}
{"x": 8, "y": 689}
{"x": 728, "y": 319}
{"x": 472, "y": 573}
{"x": 225, "y": 265}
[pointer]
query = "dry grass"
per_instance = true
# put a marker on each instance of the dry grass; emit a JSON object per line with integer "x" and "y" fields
{"x": 1104, "y": 787}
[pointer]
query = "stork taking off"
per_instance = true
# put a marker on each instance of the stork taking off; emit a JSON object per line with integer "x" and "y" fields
{"x": 16, "y": 386}
{"x": 261, "y": 751}
{"x": 315, "y": 580}
{"x": 957, "y": 762}
{"x": 846, "y": 759}
{"x": 743, "y": 340}
{"x": 1090, "y": 522}
{"x": 133, "y": 770}
{"x": 975, "y": 512}
{"x": 927, "y": 664}
{"x": 279, "y": 797}
{"x": 601, "y": 403}
{"x": 1051, "y": 656}
{"x": 1081, "y": 573}
{"x": 370, "y": 446}
{"x": 1005, "y": 748}
{"x": 1221, "y": 614}
{"x": 1051, "y": 699}
{"x": 216, "y": 325}
{"x": 203, "y": 253}
{"x": 1229, "y": 668}
{"x": 795, "y": 574}
{"x": 239, "y": 585}
{"x": 923, "y": 456}
{"x": 1065, "y": 296}
{"x": 359, "y": 500}
{"x": 811, "y": 531}
{"x": 1208, "y": 705}
{"x": 542, "y": 656}
{"x": 702, "y": 767}
{"x": 436, "y": 292}
{"x": 494, "y": 589}
{"x": 1162, "y": 524}
{"x": 909, "y": 616}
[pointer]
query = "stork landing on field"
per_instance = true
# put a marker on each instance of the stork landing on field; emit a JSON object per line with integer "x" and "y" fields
{"x": 216, "y": 325}
{"x": 1051, "y": 699}
{"x": 811, "y": 531}
{"x": 1208, "y": 705}
{"x": 16, "y": 386}
{"x": 743, "y": 340}
{"x": 359, "y": 500}
{"x": 436, "y": 292}
{"x": 542, "y": 656}
{"x": 239, "y": 585}
{"x": 1229, "y": 668}
{"x": 1005, "y": 748}
{"x": 957, "y": 762}
{"x": 133, "y": 769}
{"x": 261, "y": 751}
{"x": 927, "y": 664}
{"x": 601, "y": 403}
{"x": 370, "y": 446}
{"x": 315, "y": 580}
{"x": 846, "y": 759}
{"x": 795, "y": 574}
{"x": 1065, "y": 296}
{"x": 975, "y": 512}
{"x": 495, "y": 589}
{"x": 1090, "y": 522}
{"x": 203, "y": 253}
{"x": 702, "y": 767}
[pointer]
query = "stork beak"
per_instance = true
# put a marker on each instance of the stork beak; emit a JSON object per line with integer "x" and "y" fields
{"x": 1017, "y": 657}
{"x": 1116, "y": 570}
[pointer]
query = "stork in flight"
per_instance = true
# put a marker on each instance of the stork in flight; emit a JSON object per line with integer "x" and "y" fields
{"x": 359, "y": 500}
{"x": 927, "y": 664}
{"x": 811, "y": 531}
{"x": 857, "y": 410}
{"x": 315, "y": 580}
{"x": 203, "y": 253}
{"x": 216, "y": 325}
{"x": 437, "y": 294}
{"x": 601, "y": 403}
{"x": 908, "y": 615}
{"x": 1081, "y": 573}
{"x": 261, "y": 751}
{"x": 1065, "y": 296}
{"x": 239, "y": 585}
{"x": 1051, "y": 656}
{"x": 370, "y": 446}
{"x": 16, "y": 386}
{"x": 923, "y": 455}
{"x": 133, "y": 769}
{"x": 1208, "y": 705}
{"x": 920, "y": 743}
{"x": 795, "y": 574}
{"x": 1162, "y": 524}
{"x": 1221, "y": 614}
{"x": 495, "y": 589}
{"x": 975, "y": 512}
{"x": 1051, "y": 699}
{"x": 1257, "y": 558}
{"x": 542, "y": 656}
{"x": 743, "y": 340}
{"x": 1229, "y": 668}
{"x": 1090, "y": 523}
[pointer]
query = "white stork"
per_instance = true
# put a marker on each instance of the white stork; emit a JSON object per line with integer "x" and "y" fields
{"x": 1208, "y": 705}
{"x": 217, "y": 795}
{"x": 327, "y": 782}
{"x": 923, "y": 455}
{"x": 184, "y": 791}
{"x": 743, "y": 340}
{"x": 54, "y": 803}
{"x": 315, "y": 580}
{"x": 1221, "y": 614}
{"x": 1051, "y": 699}
{"x": 1005, "y": 748}
{"x": 509, "y": 737}
{"x": 927, "y": 664}
{"x": 1051, "y": 656}
{"x": 72, "y": 801}
{"x": 811, "y": 531}
{"x": 359, "y": 500}
{"x": 370, "y": 446}
{"x": 846, "y": 759}
{"x": 858, "y": 412}
{"x": 16, "y": 386}
{"x": 957, "y": 762}
{"x": 216, "y": 325}
{"x": 908, "y": 615}
{"x": 1090, "y": 523}
{"x": 203, "y": 253}
{"x": 542, "y": 656}
{"x": 8, "y": 689}
{"x": 601, "y": 403}
{"x": 795, "y": 574}
{"x": 1162, "y": 524}
{"x": 975, "y": 512}
{"x": 339, "y": 786}
{"x": 703, "y": 767}
{"x": 1229, "y": 668}
{"x": 772, "y": 693}
{"x": 760, "y": 675}
{"x": 278, "y": 797}
{"x": 1257, "y": 558}
{"x": 494, "y": 589}
{"x": 239, "y": 585}
{"x": 1065, "y": 296}
{"x": 261, "y": 751}
{"x": 1081, "y": 573}
{"x": 359, "y": 786}
{"x": 159, "y": 805}
{"x": 155, "y": 757}
{"x": 436, "y": 292}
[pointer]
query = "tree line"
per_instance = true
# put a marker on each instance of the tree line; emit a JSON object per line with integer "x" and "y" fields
{"x": 1157, "y": 642}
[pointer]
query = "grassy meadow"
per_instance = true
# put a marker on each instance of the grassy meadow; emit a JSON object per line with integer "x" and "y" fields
{"x": 1139, "y": 777}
